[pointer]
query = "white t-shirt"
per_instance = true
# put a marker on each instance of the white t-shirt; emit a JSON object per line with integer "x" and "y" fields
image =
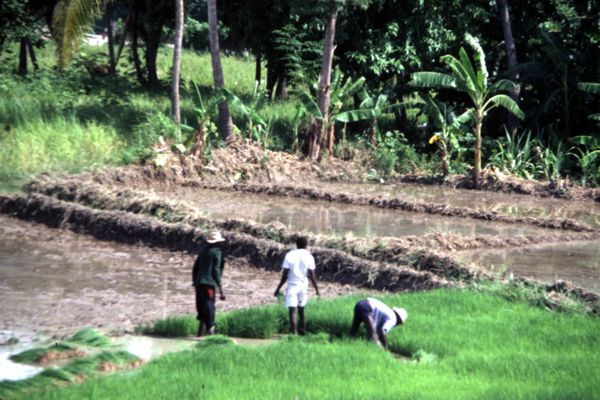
{"x": 383, "y": 316}
{"x": 298, "y": 261}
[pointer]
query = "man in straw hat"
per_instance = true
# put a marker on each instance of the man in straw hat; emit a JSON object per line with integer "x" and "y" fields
{"x": 206, "y": 276}
{"x": 297, "y": 265}
{"x": 379, "y": 319}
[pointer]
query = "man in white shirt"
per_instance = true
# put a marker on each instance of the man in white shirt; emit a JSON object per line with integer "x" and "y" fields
{"x": 379, "y": 319}
{"x": 297, "y": 266}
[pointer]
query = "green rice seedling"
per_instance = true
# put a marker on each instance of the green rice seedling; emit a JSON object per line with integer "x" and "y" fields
{"x": 215, "y": 340}
{"x": 484, "y": 346}
{"x": 261, "y": 322}
{"x": 90, "y": 337}
{"x": 176, "y": 326}
{"x": 36, "y": 354}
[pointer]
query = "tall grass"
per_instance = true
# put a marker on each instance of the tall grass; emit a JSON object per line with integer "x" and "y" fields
{"x": 470, "y": 345}
{"x": 60, "y": 143}
{"x": 68, "y": 120}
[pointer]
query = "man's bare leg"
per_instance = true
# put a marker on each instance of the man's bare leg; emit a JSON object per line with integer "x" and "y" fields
{"x": 293, "y": 324}
{"x": 302, "y": 327}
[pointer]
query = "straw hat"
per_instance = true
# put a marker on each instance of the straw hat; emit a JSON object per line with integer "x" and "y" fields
{"x": 401, "y": 314}
{"x": 214, "y": 237}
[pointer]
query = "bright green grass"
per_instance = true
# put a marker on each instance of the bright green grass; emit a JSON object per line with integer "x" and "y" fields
{"x": 477, "y": 346}
{"x": 67, "y": 120}
{"x": 61, "y": 143}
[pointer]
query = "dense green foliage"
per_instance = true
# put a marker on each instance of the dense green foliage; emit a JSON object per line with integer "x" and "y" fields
{"x": 279, "y": 46}
{"x": 458, "y": 344}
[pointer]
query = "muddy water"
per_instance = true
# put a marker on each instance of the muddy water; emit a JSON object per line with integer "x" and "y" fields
{"x": 331, "y": 218}
{"x": 10, "y": 370}
{"x": 586, "y": 212}
{"x": 56, "y": 282}
{"x": 576, "y": 262}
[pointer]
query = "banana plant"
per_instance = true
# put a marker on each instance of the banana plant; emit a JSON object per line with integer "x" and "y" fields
{"x": 587, "y": 155}
{"x": 447, "y": 124}
{"x": 371, "y": 108}
{"x": 258, "y": 127}
{"x": 470, "y": 76}
{"x": 342, "y": 92}
{"x": 593, "y": 88}
{"x": 199, "y": 138}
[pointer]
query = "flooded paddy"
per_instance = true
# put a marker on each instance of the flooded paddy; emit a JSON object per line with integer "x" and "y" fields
{"x": 586, "y": 212}
{"x": 55, "y": 281}
{"x": 578, "y": 262}
{"x": 332, "y": 218}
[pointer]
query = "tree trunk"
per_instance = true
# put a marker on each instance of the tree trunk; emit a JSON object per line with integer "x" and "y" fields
{"x": 110, "y": 32}
{"x": 31, "y": 51}
{"x": 154, "y": 24}
{"x": 134, "y": 49}
{"x": 152, "y": 43}
{"x": 511, "y": 58}
{"x": 282, "y": 91}
{"x": 478, "y": 123}
{"x": 444, "y": 156}
{"x": 324, "y": 83}
{"x": 331, "y": 140}
{"x": 271, "y": 78}
{"x": 126, "y": 26}
{"x": 175, "y": 108}
{"x": 257, "y": 71}
{"x": 23, "y": 57}
{"x": 225, "y": 123}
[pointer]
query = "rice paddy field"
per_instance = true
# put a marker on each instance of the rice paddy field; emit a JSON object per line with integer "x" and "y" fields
{"x": 456, "y": 344}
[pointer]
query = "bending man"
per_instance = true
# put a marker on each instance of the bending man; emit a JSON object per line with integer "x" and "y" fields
{"x": 379, "y": 319}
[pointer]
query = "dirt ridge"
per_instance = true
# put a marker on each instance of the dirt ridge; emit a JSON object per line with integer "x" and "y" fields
{"x": 125, "y": 227}
{"x": 396, "y": 203}
{"x": 388, "y": 249}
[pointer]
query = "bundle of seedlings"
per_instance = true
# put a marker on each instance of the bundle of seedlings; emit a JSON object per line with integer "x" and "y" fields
{"x": 73, "y": 347}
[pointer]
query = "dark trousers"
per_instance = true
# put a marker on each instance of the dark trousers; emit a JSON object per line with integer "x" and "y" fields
{"x": 205, "y": 305}
{"x": 363, "y": 312}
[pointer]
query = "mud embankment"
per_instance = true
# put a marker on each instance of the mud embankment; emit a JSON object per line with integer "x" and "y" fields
{"x": 495, "y": 182}
{"x": 388, "y": 249}
{"x": 125, "y": 227}
{"x": 396, "y": 203}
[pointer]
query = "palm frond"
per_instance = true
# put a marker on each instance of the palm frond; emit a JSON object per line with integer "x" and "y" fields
{"x": 503, "y": 85}
{"x": 589, "y": 87}
{"x": 437, "y": 80}
{"x": 71, "y": 19}
{"x": 502, "y": 100}
{"x": 479, "y": 57}
{"x": 311, "y": 106}
{"x": 472, "y": 82}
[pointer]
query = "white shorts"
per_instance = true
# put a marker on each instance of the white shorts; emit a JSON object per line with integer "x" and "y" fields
{"x": 296, "y": 296}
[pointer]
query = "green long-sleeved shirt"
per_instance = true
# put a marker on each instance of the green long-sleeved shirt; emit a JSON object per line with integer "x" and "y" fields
{"x": 208, "y": 267}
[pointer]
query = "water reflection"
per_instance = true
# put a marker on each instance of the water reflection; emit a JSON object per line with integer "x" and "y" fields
{"x": 328, "y": 218}
{"x": 586, "y": 212}
{"x": 578, "y": 262}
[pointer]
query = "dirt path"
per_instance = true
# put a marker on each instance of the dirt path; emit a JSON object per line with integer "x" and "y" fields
{"x": 55, "y": 282}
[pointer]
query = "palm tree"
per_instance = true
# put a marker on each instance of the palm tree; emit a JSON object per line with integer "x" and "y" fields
{"x": 225, "y": 123}
{"x": 175, "y": 108}
{"x": 511, "y": 55}
{"x": 70, "y": 21}
{"x": 471, "y": 77}
{"x": 320, "y": 133}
